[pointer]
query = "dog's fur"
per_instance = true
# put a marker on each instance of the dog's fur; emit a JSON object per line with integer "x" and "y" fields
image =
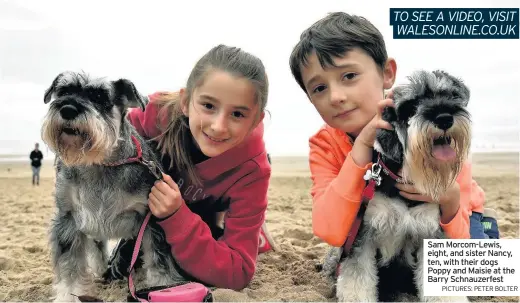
{"x": 86, "y": 127}
{"x": 390, "y": 239}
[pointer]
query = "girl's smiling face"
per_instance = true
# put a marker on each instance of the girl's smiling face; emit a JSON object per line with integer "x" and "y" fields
{"x": 222, "y": 112}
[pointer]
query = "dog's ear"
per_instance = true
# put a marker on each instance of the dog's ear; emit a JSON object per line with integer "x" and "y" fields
{"x": 389, "y": 145}
{"x": 388, "y": 140}
{"x": 389, "y": 114}
{"x": 127, "y": 94}
{"x": 47, "y": 97}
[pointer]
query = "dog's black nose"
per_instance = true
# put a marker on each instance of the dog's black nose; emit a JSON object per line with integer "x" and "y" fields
{"x": 69, "y": 112}
{"x": 444, "y": 121}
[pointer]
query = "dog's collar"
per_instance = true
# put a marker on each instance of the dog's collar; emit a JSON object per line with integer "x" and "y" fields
{"x": 375, "y": 173}
{"x": 138, "y": 158}
{"x": 388, "y": 172}
{"x": 152, "y": 166}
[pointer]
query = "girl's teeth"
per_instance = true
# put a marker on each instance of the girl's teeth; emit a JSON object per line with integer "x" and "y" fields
{"x": 215, "y": 139}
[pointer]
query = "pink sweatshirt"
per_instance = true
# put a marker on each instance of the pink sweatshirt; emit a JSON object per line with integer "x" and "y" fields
{"x": 239, "y": 178}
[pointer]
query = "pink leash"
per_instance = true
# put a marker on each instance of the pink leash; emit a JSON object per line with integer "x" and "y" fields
{"x": 156, "y": 171}
{"x": 134, "y": 257}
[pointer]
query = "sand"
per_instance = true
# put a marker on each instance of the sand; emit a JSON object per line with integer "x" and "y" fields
{"x": 288, "y": 274}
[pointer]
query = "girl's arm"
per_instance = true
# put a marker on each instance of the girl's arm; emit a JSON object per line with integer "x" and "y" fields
{"x": 230, "y": 261}
{"x": 145, "y": 122}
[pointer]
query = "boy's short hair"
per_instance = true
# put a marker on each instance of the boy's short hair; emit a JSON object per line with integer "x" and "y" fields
{"x": 333, "y": 36}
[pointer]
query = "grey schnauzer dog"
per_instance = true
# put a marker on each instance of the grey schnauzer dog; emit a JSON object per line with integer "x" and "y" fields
{"x": 102, "y": 185}
{"x": 429, "y": 143}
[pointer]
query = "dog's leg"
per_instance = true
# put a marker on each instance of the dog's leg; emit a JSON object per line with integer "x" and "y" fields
{"x": 418, "y": 276}
{"x": 357, "y": 280}
{"x": 127, "y": 225}
{"x": 158, "y": 260}
{"x": 331, "y": 262}
{"x": 68, "y": 248}
{"x": 98, "y": 258}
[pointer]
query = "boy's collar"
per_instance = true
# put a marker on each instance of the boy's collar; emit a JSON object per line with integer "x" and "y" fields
{"x": 351, "y": 137}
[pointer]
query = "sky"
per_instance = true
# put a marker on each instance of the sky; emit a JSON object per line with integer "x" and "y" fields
{"x": 156, "y": 44}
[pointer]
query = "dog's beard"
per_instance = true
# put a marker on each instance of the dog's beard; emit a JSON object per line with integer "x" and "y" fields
{"x": 430, "y": 176}
{"x": 92, "y": 143}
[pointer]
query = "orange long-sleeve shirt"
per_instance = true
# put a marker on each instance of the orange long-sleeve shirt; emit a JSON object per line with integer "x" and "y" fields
{"x": 338, "y": 185}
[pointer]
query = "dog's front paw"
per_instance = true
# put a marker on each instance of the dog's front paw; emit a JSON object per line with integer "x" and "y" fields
{"x": 68, "y": 291}
{"x": 62, "y": 292}
{"x": 445, "y": 299}
{"x": 342, "y": 297}
{"x": 65, "y": 297}
{"x": 349, "y": 291}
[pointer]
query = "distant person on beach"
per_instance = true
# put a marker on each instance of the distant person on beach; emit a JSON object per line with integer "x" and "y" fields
{"x": 36, "y": 163}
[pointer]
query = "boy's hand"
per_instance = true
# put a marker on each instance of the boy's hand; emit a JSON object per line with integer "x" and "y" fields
{"x": 367, "y": 136}
{"x": 449, "y": 203}
{"x": 364, "y": 143}
{"x": 165, "y": 198}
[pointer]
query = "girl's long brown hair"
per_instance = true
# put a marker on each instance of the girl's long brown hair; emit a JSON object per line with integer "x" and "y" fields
{"x": 176, "y": 138}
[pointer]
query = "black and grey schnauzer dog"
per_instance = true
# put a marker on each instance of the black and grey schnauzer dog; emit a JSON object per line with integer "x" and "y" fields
{"x": 429, "y": 144}
{"x": 105, "y": 172}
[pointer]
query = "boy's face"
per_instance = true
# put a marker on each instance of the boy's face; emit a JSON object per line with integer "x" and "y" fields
{"x": 346, "y": 96}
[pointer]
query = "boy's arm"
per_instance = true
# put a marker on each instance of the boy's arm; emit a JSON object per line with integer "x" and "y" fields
{"x": 336, "y": 190}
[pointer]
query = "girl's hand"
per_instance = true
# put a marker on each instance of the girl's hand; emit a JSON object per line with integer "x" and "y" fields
{"x": 165, "y": 198}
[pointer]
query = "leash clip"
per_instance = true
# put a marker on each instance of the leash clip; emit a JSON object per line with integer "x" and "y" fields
{"x": 154, "y": 169}
{"x": 373, "y": 174}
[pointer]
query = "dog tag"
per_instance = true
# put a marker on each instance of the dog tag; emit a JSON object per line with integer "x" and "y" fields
{"x": 368, "y": 175}
{"x": 373, "y": 174}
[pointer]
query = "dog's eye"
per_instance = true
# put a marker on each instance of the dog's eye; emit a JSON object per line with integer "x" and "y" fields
{"x": 95, "y": 96}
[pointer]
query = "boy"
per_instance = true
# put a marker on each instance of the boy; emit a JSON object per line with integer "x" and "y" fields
{"x": 342, "y": 65}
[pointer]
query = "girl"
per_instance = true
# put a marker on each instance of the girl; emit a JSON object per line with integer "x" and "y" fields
{"x": 210, "y": 137}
